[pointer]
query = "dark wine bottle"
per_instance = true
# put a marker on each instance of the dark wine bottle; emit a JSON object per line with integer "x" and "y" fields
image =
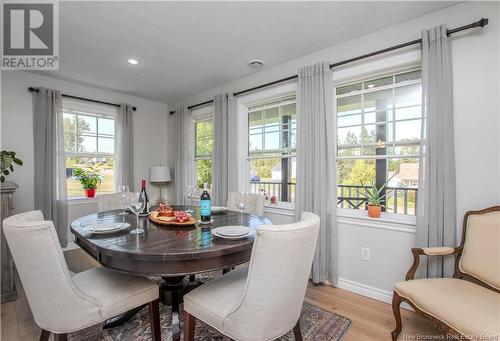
{"x": 205, "y": 205}
{"x": 143, "y": 197}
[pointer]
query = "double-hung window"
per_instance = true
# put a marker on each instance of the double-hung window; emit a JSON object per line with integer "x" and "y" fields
{"x": 379, "y": 131}
{"x": 89, "y": 143}
{"x": 203, "y": 130}
{"x": 271, "y": 149}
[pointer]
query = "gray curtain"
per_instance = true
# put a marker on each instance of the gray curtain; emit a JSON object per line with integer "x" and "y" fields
{"x": 220, "y": 150}
{"x": 224, "y": 150}
{"x": 183, "y": 173}
{"x": 436, "y": 213}
{"x": 50, "y": 172}
{"x": 124, "y": 146}
{"x": 316, "y": 167}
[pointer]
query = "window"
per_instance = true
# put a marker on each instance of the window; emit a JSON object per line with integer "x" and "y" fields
{"x": 203, "y": 129}
{"x": 379, "y": 131}
{"x": 89, "y": 143}
{"x": 271, "y": 148}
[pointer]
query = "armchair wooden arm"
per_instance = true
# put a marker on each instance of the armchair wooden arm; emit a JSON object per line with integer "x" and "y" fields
{"x": 429, "y": 251}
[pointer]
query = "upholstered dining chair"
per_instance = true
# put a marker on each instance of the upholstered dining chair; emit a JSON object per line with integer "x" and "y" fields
{"x": 254, "y": 203}
{"x": 261, "y": 301}
{"x": 63, "y": 303}
{"x": 111, "y": 201}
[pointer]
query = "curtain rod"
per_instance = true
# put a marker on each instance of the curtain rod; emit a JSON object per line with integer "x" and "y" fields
{"x": 32, "y": 89}
{"x": 480, "y": 23}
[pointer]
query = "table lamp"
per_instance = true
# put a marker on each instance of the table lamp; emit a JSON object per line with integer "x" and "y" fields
{"x": 160, "y": 175}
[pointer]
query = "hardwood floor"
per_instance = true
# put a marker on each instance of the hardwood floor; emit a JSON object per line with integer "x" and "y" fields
{"x": 371, "y": 320}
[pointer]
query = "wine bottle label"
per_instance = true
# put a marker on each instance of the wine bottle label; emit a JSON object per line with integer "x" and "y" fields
{"x": 205, "y": 208}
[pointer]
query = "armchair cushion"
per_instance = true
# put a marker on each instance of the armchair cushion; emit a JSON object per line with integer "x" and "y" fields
{"x": 115, "y": 292}
{"x": 466, "y": 307}
{"x": 438, "y": 251}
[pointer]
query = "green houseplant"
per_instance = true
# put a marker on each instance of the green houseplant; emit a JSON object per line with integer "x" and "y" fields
{"x": 89, "y": 178}
{"x": 7, "y": 161}
{"x": 373, "y": 197}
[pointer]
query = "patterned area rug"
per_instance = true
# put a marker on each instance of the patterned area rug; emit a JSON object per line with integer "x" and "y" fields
{"x": 316, "y": 325}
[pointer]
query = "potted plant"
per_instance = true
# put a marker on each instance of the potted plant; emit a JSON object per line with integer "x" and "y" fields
{"x": 7, "y": 161}
{"x": 374, "y": 199}
{"x": 89, "y": 178}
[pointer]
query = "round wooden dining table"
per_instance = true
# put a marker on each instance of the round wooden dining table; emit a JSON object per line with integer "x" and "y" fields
{"x": 174, "y": 253}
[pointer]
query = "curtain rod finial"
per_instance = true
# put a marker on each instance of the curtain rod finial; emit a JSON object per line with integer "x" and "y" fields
{"x": 483, "y": 22}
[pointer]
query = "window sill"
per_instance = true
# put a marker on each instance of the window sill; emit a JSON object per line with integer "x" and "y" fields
{"x": 280, "y": 208}
{"x": 387, "y": 221}
{"x": 81, "y": 201}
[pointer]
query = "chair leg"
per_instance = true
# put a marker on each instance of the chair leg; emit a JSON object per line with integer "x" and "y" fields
{"x": 297, "y": 332}
{"x": 189, "y": 323}
{"x": 61, "y": 337}
{"x": 396, "y": 302}
{"x": 154, "y": 320}
{"x": 44, "y": 336}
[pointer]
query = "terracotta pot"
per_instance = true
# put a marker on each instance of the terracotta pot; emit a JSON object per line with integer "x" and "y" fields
{"x": 90, "y": 192}
{"x": 374, "y": 211}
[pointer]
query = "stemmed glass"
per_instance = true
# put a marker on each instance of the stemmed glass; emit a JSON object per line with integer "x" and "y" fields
{"x": 189, "y": 196}
{"x": 123, "y": 190}
{"x": 241, "y": 202}
{"x": 136, "y": 204}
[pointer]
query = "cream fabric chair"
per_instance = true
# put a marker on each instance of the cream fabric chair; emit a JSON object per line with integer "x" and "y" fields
{"x": 467, "y": 305}
{"x": 254, "y": 203}
{"x": 62, "y": 303}
{"x": 261, "y": 301}
{"x": 112, "y": 201}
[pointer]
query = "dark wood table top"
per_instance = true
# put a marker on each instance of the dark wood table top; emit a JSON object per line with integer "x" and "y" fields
{"x": 165, "y": 251}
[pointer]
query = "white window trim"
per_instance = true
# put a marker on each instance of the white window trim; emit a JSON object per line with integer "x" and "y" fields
{"x": 243, "y": 103}
{"x": 403, "y": 61}
{"x": 98, "y": 111}
{"x": 202, "y": 114}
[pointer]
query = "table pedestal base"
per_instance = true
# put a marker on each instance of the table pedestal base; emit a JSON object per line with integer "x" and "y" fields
{"x": 171, "y": 291}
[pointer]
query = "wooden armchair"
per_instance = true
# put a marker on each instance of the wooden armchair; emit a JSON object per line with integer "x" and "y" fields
{"x": 468, "y": 305}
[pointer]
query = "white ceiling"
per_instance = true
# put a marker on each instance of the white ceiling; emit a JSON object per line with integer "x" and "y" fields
{"x": 188, "y": 47}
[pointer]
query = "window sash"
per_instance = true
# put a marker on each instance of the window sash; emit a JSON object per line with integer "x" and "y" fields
{"x": 202, "y": 119}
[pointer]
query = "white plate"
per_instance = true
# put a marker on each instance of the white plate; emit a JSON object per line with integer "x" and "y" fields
{"x": 218, "y": 209}
{"x": 232, "y": 232}
{"x": 105, "y": 228}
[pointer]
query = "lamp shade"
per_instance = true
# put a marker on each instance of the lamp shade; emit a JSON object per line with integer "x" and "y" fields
{"x": 159, "y": 174}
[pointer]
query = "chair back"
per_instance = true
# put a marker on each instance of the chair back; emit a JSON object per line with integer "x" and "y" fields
{"x": 481, "y": 246}
{"x": 112, "y": 201}
{"x": 278, "y": 274}
{"x": 254, "y": 203}
{"x": 56, "y": 303}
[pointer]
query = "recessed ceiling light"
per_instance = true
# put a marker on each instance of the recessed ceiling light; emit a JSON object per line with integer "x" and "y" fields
{"x": 256, "y": 64}
{"x": 370, "y": 86}
{"x": 133, "y": 61}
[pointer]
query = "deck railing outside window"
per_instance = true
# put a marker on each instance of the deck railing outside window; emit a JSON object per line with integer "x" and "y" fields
{"x": 401, "y": 200}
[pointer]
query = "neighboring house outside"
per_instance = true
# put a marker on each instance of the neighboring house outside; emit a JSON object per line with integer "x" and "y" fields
{"x": 408, "y": 175}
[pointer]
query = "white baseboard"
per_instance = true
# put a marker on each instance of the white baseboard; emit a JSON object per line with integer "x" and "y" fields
{"x": 368, "y": 291}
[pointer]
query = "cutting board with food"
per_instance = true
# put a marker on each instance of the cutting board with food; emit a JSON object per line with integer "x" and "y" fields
{"x": 165, "y": 215}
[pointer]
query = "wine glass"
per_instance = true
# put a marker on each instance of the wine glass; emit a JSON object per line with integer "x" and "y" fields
{"x": 123, "y": 191}
{"x": 241, "y": 203}
{"x": 189, "y": 196}
{"x": 136, "y": 204}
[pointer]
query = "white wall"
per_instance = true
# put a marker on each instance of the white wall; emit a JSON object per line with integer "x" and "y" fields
{"x": 476, "y": 58}
{"x": 150, "y": 132}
